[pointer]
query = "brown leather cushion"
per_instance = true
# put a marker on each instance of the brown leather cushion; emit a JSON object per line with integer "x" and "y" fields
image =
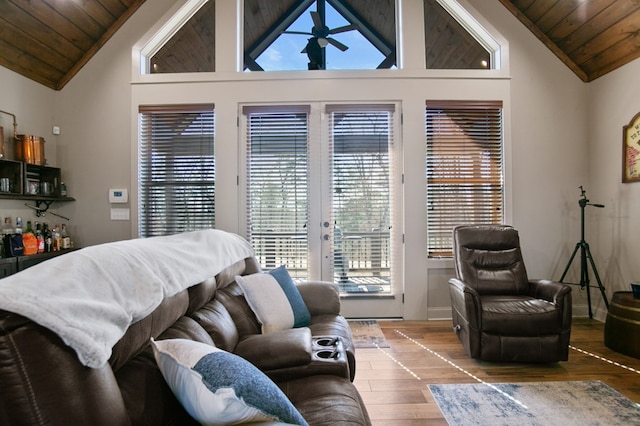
{"x": 313, "y": 396}
{"x": 488, "y": 259}
{"x": 519, "y": 316}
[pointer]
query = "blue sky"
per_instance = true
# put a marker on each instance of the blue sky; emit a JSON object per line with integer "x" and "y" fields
{"x": 284, "y": 54}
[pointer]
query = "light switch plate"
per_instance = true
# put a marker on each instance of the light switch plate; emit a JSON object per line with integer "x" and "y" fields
{"x": 120, "y": 214}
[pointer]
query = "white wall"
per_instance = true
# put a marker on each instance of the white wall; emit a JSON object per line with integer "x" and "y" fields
{"x": 33, "y": 106}
{"x": 548, "y": 151}
{"x": 614, "y": 231}
{"x": 548, "y": 129}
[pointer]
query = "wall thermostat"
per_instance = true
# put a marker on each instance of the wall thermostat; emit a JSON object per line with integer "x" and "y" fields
{"x": 118, "y": 196}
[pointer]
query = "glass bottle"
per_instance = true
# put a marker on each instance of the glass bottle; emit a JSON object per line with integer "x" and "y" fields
{"x": 7, "y": 231}
{"x": 7, "y": 228}
{"x": 66, "y": 239}
{"x": 39, "y": 238}
{"x": 56, "y": 240}
{"x": 46, "y": 234}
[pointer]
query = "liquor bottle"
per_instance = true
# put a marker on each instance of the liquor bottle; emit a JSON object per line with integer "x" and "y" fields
{"x": 29, "y": 241}
{"x": 39, "y": 238}
{"x": 18, "y": 225}
{"x": 7, "y": 230}
{"x": 66, "y": 239}
{"x": 46, "y": 234}
{"x": 56, "y": 240}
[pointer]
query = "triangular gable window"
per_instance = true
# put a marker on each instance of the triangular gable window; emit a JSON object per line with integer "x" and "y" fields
{"x": 455, "y": 40}
{"x": 320, "y": 34}
{"x": 185, "y": 44}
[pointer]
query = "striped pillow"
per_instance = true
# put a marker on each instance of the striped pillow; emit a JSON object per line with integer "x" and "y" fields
{"x": 275, "y": 300}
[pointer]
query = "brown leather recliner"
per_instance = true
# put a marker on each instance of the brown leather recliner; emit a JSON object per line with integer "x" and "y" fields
{"x": 498, "y": 313}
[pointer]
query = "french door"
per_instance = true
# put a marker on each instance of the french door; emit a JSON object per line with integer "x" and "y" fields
{"x": 323, "y": 198}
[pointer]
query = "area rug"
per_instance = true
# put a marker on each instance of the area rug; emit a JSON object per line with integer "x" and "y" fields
{"x": 540, "y": 403}
{"x": 367, "y": 334}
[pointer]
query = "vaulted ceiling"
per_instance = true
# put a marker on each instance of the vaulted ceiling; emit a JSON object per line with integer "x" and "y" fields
{"x": 49, "y": 41}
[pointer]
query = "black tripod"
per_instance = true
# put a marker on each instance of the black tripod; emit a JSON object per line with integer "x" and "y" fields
{"x": 585, "y": 254}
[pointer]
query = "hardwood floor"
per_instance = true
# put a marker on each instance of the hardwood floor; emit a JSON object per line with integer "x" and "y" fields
{"x": 393, "y": 381}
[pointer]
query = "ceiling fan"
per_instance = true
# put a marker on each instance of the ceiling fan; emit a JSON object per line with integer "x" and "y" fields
{"x": 320, "y": 39}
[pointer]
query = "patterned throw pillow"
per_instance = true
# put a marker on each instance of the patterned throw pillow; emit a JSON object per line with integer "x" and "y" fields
{"x": 217, "y": 387}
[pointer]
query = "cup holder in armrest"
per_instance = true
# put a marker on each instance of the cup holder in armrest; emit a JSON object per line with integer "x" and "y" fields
{"x": 326, "y": 342}
{"x": 328, "y": 349}
{"x": 328, "y": 354}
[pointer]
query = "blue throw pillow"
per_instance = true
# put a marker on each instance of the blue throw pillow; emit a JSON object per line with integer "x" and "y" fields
{"x": 216, "y": 387}
{"x": 301, "y": 315}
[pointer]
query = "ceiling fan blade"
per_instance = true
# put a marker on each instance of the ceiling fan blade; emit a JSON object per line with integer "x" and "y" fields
{"x": 343, "y": 29}
{"x": 296, "y": 32}
{"x": 317, "y": 22}
{"x": 337, "y": 44}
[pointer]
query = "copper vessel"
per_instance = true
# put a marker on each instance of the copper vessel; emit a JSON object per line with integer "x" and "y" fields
{"x": 30, "y": 149}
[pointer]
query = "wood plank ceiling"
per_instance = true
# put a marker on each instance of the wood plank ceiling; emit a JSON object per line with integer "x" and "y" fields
{"x": 592, "y": 37}
{"x": 49, "y": 41}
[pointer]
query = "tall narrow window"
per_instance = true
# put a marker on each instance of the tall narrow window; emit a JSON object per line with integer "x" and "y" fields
{"x": 277, "y": 193}
{"x": 362, "y": 140}
{"x": 176, "y": 169}
{"x": 464, "y": 168}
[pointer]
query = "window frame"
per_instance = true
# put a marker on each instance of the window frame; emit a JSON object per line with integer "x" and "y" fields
{"x": 157, "y": 180}
{"x": 476, "y": 172}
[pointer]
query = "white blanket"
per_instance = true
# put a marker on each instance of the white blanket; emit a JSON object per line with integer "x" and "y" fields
{"x": 90, "y": 297}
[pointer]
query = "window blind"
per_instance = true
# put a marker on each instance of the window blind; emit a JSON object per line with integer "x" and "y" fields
{"x": 464, "y": 175}
{"x": 176, "y": 169}
{"x": 277, "y": 169}
{"x": 360, "y": 148}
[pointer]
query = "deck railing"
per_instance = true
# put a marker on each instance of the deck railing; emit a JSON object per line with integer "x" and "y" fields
{"x": 365, "y": 254}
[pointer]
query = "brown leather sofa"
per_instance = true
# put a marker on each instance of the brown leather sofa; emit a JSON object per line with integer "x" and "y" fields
{"x": 498, "y": 313}
{"x": 43, "y": 383}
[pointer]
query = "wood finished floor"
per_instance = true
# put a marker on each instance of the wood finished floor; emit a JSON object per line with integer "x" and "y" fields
{"x": 393, "y": 381}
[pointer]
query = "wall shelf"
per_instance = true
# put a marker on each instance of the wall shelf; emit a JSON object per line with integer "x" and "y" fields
{"x": 31, "y": 182}
{"x": 35, "y": 198}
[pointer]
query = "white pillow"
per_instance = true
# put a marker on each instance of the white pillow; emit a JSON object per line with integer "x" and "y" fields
{"x": 217, "y": 387}
{"x": 268, "y": 301}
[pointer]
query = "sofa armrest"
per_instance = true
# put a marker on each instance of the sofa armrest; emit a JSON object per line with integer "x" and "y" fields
{"x": 321, "y": 297}
{"x": 278, "y": 349}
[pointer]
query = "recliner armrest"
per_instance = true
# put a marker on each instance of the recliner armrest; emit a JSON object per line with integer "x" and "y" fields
{"x": 321, "y": 297}
{"x": 278, "y": 349}
{"x": 556, "y": 293}
{"x": 464, "y": 288}
{"x": 467, "y": 300}
{"x": 548, "y": 290}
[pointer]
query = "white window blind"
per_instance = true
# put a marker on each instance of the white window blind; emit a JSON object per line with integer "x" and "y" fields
{"x": 176, "y": 169}
{"x": 361, "y": 145}
{"x": 277, "y": 169}
{"x": 464, "y": 176}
